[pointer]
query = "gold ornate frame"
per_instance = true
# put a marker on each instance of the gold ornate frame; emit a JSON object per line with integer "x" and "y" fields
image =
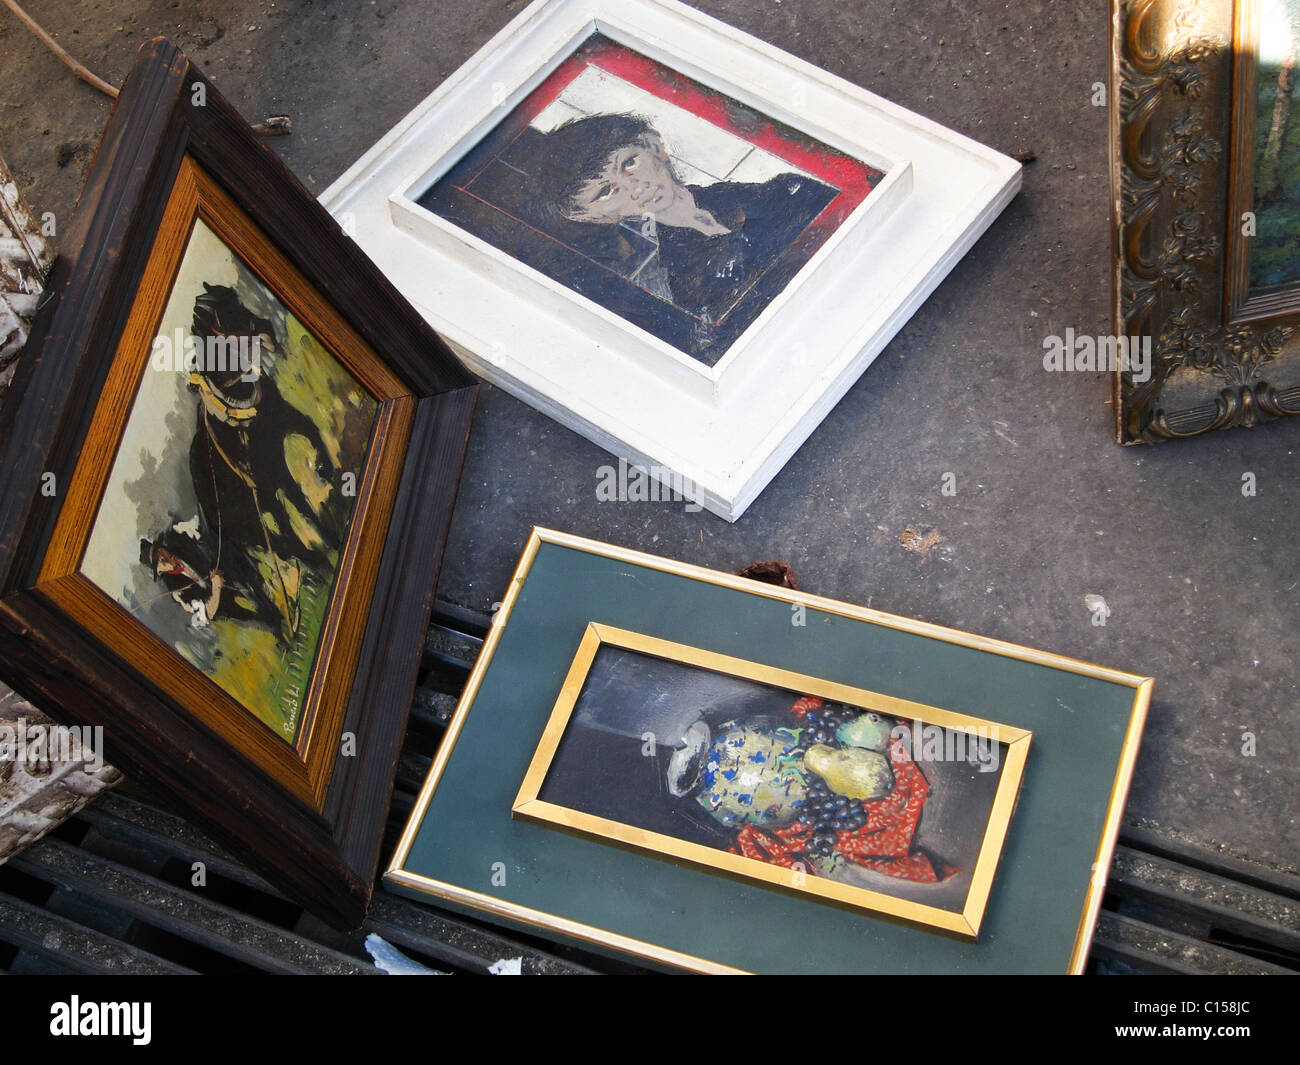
{"x": 1182, "y": 160}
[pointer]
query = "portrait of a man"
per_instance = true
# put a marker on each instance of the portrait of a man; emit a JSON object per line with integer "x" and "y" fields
{"x": 678, "y": 209}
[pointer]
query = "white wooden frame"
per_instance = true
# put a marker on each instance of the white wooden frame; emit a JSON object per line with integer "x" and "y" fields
{"x": 716, "y": 434}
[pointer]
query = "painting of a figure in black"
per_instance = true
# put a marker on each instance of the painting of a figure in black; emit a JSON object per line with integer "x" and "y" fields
{"x": 250, "y": 492}
{"x": 670, "y": 204}
{"x": 185, "y": 558}
{"x": 708, "y": 245}
{"x": 230, "y": 501}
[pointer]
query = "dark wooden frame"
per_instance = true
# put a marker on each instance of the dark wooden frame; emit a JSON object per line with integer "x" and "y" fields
{"x": 309, "y": 818}
{"x": 1181, "y": 177}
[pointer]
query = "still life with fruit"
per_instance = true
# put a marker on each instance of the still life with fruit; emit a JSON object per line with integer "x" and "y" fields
{"x": 823, "y": 789}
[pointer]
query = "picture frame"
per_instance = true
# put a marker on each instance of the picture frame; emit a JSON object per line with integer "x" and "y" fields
{"x": 772, "y": 844}
{"x": 503, "y": 828}
{"x": 1197, "y": 121}
{"x": 229, "y": 461}
{"x": 651, "y": 330}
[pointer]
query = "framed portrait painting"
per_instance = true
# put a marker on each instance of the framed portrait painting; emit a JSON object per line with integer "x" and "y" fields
{"x": 711, "y": 773}
{"x": 674, "y": 207}
{"x": 229, "y": 463}
{"x": 1205, "y": 149}
{"x": 635, "y": 218}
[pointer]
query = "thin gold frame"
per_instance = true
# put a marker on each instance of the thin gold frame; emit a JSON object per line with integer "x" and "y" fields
{"x": 399, "y": 876}
{"x": 965, "y": 922}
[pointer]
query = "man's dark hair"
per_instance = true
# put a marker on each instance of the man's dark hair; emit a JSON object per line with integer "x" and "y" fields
{"x": 576, "y": 152}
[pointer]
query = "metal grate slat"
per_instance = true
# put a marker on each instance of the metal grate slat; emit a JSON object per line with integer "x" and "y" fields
{"x": 72, "y": 947}
{"x": 1138, "y": 838}
{"x": 1216, "y": 901}
{"x": 454, "y": 942}
{"x": 166, "y": 837}
{"x": 182, "y": 913}
{"x": 1150, "y": 949}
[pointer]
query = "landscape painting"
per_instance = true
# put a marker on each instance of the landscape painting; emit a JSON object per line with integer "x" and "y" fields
{"x": 675, "y": 207}
{"x": 1275, "y": 247}
{"x": 231, "y": 496}
{"x": 817, "y": 789}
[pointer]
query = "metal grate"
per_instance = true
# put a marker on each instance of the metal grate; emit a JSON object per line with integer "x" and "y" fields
{"x": 110, "y": 891}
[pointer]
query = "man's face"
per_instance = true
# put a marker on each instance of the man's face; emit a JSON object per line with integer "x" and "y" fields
{"x": 168, "y": 563}
{"x": 636, "y": 181}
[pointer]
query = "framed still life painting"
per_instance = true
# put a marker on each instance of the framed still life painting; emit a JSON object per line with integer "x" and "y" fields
{"x": 710, "y": 773}
{"x": 779, "y": 777}
{"x": 1205, "y": 158}
{"x": 230, "y": 458}
{"x": 636, "y": 218}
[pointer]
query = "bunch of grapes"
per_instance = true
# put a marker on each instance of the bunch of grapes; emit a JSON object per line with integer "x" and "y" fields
{"x": 828, "y": 813}
{"x": 819, "y": 725}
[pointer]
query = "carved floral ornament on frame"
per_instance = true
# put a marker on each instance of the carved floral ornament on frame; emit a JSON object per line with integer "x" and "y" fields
{"x": 1206, "y": 171}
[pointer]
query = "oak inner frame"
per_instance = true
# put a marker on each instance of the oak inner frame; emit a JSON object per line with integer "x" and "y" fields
{"x": 303, "y": 767}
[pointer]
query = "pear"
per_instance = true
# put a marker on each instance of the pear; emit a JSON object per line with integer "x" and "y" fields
{"x": 853, "y": 771}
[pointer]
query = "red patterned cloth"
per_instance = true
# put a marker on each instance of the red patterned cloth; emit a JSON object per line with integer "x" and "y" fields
{"x": 883, "y": 844}
{"x": 805, "y": 703}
